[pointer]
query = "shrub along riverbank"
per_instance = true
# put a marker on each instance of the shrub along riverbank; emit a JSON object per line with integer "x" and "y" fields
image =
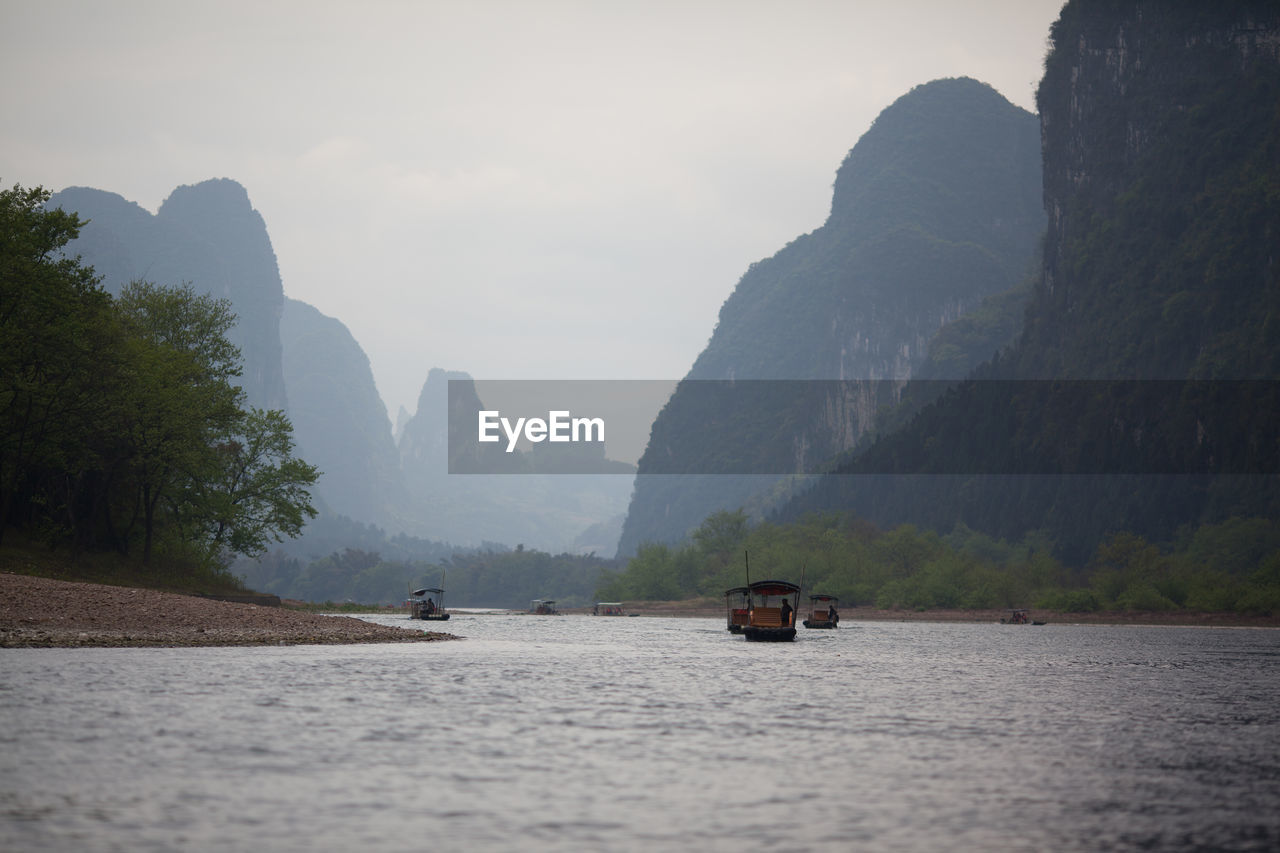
{"x": 1210, "y": 573}
{"x": 1233, "y": 567}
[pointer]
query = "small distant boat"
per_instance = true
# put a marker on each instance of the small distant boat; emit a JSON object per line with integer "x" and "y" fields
{"x": 822, "y": 612}
{"x": 1021, "y": 616}
{"x": 737, "y": 602}
{"x": 543, "y": 607}
{"x": 607, "y": 608}
{"x": 772, "y": 616}
{"x": 427, "y": 603}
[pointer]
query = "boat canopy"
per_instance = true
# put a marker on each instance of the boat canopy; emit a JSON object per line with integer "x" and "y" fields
{"x": 737, "y": 590}
{"x": 773, "y": 588}
{"x": 424, "y": 591}
{"x": 608, "y": 604}
{"x": 830, "y": 598}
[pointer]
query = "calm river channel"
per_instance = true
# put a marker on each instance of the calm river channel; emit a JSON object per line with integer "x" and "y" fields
{"x": 606, "y": 733}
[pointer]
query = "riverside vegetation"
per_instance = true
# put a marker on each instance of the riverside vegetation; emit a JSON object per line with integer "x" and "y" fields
{"x": 121, "y": 426}
{"x": 1232, "y": 567}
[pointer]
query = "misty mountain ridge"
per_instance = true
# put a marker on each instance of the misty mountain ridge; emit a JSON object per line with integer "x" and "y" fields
{"x": 936, "y": 207}
{"x": 340, "y": 422}
{"x": 520, "y": 493}
{"x": 936, "y": 210}
{"x": 308, "y": 364}
{"x": 208, "y": 235}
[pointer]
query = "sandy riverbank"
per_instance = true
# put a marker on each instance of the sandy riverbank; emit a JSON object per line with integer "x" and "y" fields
{"x": 37, "y": 612}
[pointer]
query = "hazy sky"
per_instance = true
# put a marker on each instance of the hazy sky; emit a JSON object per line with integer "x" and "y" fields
{"x": 532, "y": 189}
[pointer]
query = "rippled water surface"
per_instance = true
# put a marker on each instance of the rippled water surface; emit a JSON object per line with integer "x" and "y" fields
{"x": 574, "y": 732}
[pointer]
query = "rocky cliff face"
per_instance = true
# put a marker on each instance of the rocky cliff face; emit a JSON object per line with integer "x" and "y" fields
{"x": 937, "y": 207}
{"x": 242, "y": 268}
{"x": 207, "y": 235}
{"x": 1147, "y": 110}
{"x": 340, "y": 422}
{"x": 424, "y": 437}
{"x": 1161, "y": 141}
{"x": 1115, "y": 79}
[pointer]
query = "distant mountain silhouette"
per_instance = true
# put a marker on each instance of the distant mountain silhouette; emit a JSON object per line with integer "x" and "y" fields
{"x": 340, "y": 422}
{"x": 508, "y": 497}
{"x": 308, "y": 364}
{"x": 207, "y": 235}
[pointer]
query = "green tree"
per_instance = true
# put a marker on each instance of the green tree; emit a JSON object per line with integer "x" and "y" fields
{"x": 723, "y": 532}
{"x": 259, "y": 490}
{"x": 57, "y": 342}
{"x": 651, "y": 575}
{"x": 120, "y": 418}
{"x": 183, "y": 403}
{"x": 1132, "y": 574}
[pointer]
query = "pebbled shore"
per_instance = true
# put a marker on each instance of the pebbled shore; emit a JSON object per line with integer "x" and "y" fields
{"x": 39, "y": 612}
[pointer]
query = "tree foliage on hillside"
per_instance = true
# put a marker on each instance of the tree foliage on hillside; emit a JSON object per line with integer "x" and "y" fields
{"x": 120, "y": 425}
{"x": 1232, "y": 566}
{"x": 488, "y": 577}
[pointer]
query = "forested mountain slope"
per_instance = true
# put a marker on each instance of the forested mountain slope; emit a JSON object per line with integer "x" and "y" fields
{"x": 937, "y": 207}
{"x": 1160, "y": 292}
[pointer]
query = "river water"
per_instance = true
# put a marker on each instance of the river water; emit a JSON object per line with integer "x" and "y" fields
{"x": 606, "y": 733}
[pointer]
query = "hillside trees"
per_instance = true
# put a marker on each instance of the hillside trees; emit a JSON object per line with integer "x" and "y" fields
{"x": 57, "y": 337}
{"x": 1229, "y": 567}
{"x": 120, "y": 425}
{"x": 481, "y": 578}
{"x": 258, "y": 491}
{"x": 183, "y": 402}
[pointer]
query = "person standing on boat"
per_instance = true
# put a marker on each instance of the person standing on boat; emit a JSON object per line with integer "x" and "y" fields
{"x": 832, "y": 616}
{"x": 431, "y": 606}
{"x": 786, "y": 613}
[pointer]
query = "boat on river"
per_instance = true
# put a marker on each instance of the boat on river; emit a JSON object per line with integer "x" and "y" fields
{"x": 1019, "y": 617}
{"x": 427, "y": 603}
{"x": 772, "y": 616}
{"x": 737, "y": 604}
{"x": 543, "y": 607}
{"x": 607, "y": 608}
{"x": 822, "y": 612}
